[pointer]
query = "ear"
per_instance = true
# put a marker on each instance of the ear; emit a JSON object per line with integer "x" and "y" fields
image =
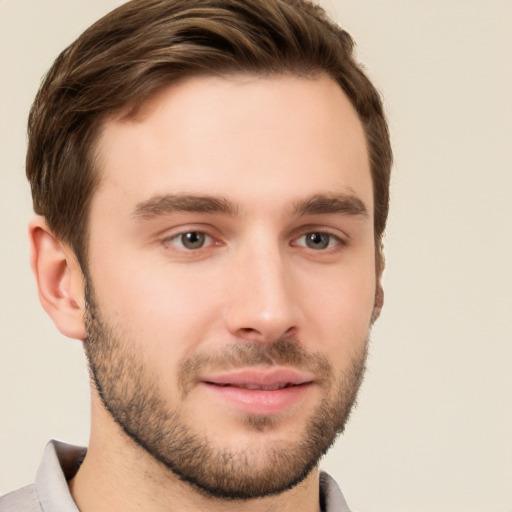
{"x": 379, "y": 300}
{"x": 380, "y": 263}
{"x": 59, "y": 278}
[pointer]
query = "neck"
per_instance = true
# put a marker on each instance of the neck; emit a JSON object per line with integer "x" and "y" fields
{"x": 118, "y": 475}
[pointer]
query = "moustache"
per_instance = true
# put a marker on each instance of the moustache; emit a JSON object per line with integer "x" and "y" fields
{"x": 285, "y": 351}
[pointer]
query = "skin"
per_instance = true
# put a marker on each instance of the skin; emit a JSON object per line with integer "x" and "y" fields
{"x": 264, "y": 145}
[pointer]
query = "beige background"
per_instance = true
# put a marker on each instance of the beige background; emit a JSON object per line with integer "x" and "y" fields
{"x": 433, "y": 430}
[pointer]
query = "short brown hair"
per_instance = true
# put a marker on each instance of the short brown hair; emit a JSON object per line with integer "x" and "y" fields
{"x": 144, "y": 46}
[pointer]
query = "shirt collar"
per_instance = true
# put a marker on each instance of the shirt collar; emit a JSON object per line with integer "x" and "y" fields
{"x": 60, "y": 463}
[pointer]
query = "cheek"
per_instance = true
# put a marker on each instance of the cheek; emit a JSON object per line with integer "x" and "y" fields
{"x": 164, "y": 316}
{"x": 339, "y": 309}
{"x": 158, "y": 305}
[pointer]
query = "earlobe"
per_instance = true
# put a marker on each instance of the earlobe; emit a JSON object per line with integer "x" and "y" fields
{"x": 59, "y": 279}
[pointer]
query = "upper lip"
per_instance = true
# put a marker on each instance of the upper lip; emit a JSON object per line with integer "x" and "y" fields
{"x": 264, "y": 379}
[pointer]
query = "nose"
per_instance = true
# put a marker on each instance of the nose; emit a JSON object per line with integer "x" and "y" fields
{"x": 263, "y": 303}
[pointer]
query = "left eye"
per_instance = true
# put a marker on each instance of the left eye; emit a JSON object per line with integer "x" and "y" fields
{"x": 317, "y": 241}
{"x": 191, "y": 240}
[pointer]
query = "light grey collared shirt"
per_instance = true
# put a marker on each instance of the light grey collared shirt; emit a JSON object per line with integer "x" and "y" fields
{"x": 50, "y": 492}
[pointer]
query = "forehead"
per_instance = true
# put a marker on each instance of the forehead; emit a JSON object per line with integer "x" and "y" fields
{"x": 243, "y": 136}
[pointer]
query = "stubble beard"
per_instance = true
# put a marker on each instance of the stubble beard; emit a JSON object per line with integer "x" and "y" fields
{"x": 130, "y": 393}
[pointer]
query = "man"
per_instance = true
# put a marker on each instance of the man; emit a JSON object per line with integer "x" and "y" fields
{"x": 210, "y": 180}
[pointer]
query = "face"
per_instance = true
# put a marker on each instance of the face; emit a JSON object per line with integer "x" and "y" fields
{"x": 231, "y": 277}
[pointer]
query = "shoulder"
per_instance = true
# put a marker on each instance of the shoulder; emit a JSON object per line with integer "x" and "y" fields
{"x": 22, "y": 500}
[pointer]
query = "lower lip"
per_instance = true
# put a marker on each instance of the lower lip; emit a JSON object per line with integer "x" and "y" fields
{"x": 257, "y": 401}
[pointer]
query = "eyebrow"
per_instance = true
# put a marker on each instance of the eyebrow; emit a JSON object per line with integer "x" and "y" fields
{"x": 344, "y": 204}
{"x": 318, "y": 204}
{"x": 166, "y": 204}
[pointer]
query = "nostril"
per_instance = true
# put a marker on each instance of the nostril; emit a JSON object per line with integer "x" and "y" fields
{"x": 290, "y": 332}
{"x": 248, "y": 332}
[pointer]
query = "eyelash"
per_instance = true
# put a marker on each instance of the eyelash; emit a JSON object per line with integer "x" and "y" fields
{"x": 179, "y": 237}
{"x": 338, "y": 242}
{"x": 334, "y": 242}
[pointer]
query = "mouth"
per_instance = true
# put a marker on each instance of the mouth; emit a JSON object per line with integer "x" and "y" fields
{"x": 254, "y": 387}
{"x": 259, "y": 392}
{"x": 260, "y": 379}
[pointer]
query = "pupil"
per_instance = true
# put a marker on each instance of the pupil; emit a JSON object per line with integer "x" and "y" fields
{"x": 193, "y": 240}
{"x": 317, "y": 241}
